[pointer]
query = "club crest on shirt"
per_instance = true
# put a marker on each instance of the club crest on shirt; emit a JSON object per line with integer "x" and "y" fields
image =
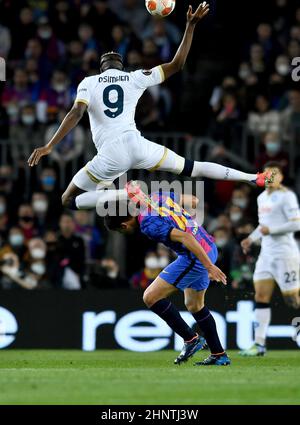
{"x": 147, "y": 71}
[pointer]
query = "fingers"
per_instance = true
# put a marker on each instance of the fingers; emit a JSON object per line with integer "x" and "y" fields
{"x": 202, "y": 10}
{"x": 34, "y": 158}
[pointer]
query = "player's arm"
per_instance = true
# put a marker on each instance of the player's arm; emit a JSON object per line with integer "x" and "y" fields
{"x": 193, "y": 246}
{"x": 256, "y": 235}
{"x": 180, "y": 57}
{"x": 70, "y": 121}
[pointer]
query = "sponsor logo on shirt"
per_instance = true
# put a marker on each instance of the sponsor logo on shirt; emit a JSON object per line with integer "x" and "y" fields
{"x": 147, "y": 71}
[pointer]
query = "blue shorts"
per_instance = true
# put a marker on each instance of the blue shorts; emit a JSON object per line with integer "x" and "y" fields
{"x": 187, "y": 272}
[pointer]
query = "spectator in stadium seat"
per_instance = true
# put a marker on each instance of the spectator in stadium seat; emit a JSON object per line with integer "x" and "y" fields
{"x": 143, "y": 278}
{"x": 34, "y": 51}
{"x": 72, "y": 253}
{"x": 40, "y": 204}
{"x": 48, "y": 185}
{"x": 60, "y": 94}
{"x": 235, "y": 214}
{"x": 26, "y": 221}
{"x": 273, "y": 152}
{"x": 55, "y": 270}
{"x": 105, "y": 274}
{"x": 120, "y": 39}
{"x": 290, "y": 118}
{"x": 23, "y": 30}
{"x": 229, "y": 83}
{"x": 225, "y": 246}
{"x": 86, "y": 37}
{"x": 90, "y": 233}
{"x": 263, "y": 119}
{"x": 131, "y": 11}
{"x": 64, "y": 18}
{"x": 16, "y": 95}
{"x": 16, "y": 242}
{"x": 36, "y": 262}
{"x": 52, "y": 47}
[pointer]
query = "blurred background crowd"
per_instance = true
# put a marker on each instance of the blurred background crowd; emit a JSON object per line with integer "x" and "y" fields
{"x": 236, "y": 90}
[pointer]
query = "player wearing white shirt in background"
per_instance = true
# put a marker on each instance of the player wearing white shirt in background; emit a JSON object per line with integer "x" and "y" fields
{"x": 279, "y": 258}
{"x": 110, "y": 99}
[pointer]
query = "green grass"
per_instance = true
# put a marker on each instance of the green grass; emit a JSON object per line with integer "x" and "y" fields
{"x": 122, "y": 377}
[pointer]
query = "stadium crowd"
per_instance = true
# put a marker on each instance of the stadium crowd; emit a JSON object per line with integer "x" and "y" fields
{"x": 49, "y": 47}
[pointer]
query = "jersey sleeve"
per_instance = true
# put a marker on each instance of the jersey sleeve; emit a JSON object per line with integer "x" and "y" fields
{"x": 291, "y": 206}
{"x": 144, "y": 78}
{"x": 83, "y": 92}
{"x": 156, "y": 228}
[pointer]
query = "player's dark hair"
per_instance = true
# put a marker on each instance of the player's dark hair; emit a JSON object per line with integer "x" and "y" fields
{"x": 274, "y": 164}
{"x": 111, "y": 60}
{"x": 114, "y": 220}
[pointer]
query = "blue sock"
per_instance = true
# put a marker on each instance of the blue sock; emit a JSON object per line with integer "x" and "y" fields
{"x": 169, "y": 313}
{"x": 207, "y": 324}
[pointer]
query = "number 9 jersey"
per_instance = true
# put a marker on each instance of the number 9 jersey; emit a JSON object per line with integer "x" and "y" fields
{"x": 111, "y": 98}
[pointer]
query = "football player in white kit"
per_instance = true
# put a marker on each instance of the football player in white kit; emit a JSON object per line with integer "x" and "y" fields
{"x": 279, "y": 259}
{"x": 110, "y": 99}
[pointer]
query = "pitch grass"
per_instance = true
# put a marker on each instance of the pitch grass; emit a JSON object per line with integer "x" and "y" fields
{"x": 122, "y": 377}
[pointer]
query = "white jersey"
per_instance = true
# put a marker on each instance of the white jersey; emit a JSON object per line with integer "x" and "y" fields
{"x": 274, "y": 210}
{"x": 112, "y": 97}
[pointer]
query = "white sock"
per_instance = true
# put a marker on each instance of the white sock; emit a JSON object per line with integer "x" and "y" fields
{"x": 89, "y": 200}
{"x": 262, "y": 319}
{"x": 219, "y": 172}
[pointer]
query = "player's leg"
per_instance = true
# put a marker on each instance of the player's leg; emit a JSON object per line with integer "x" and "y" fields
{"x": 288, "y": 279}
{"x": 292, "y": 299}
{"x": 264, "y": 289}
{"x": 155, "y": 298}
{"x": 170, "y": 161}
{"x": 194, "y": 301}
{"x": 70, "y": 194}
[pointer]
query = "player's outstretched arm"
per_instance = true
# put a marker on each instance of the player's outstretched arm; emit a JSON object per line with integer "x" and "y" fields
{"x": 193, "y": 246}
{"x": 69, "y": 122}
{"x": 179, "y": 59}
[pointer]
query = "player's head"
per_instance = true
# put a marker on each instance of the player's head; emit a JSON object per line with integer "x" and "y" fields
{"x": 119, "y": 218}
{"x": 111, "y": 60}
{"x": 278, "y": 176}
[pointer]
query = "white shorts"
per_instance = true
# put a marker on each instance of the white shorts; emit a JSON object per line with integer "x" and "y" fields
{"x": 285, "y": 271}
{"x": 127, "y": 152}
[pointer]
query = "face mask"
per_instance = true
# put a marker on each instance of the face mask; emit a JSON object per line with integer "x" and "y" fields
{"x": 163, "y": 262}
{"x": 283, "y": 69}
{"x": 112, "y": 274}
{"x": 244, "y": 73}
{"x": 45, "y": 34}
{"x": 235, "y": 217}
{"x": 151, "y": 263}
{"x": 40, "y": 206}
{"x": 38, "y": 268}
{"x": 16, "y": 240}
{"x": 221, "y": 242}
{"x": 37, "y": 253}
{"x": 240, "y": 202}
{"x": 2, "y": 208}
{"x": 28, "y": 119}
{"x": 12, "y": 111}
{"x": 48, "y": 181}
{"x": 59, "y": 87}
{"x": 273, "y": 147}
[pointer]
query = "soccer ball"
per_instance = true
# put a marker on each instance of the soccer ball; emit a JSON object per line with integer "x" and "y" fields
{"x": 161, "y": 8}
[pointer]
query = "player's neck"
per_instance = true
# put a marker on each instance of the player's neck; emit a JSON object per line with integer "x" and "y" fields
{"x": 273, "y": 189}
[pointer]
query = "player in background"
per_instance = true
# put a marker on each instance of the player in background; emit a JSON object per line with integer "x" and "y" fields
{"x": 110, "y": 99}
{"x": 279, "y": 259}
{"x": 163, "y": 219}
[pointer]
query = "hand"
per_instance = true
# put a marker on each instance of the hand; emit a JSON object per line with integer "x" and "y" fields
{"x": 245, "y": 244}
{"x": 37, "y": 155}
{"x": 194, "y": 18}
{"x": 264, "y": 230}
{"x": 216, "y": 274}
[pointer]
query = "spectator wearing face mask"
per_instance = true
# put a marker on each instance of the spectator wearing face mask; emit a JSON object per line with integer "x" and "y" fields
{"x": 25, "y": 133}
{"x": 84, "y": 227}
{"x": 72, "y": 253}
{"x": 263, "y": 119}
{"x": 39, "y": 203}
{"x": 26, "y": 221}
{"x": 16, "y": 242}
{"x": 105, "y": 274}
{"x": 36, "y": 262}
{"x": 242, "y": 266}
{"x": 146, "y": 276}
{"x": 53, "y": 48}
{"x": 225, "y": 246}
{"x": 241, "y": 199}
{"x": 273, "y": 152}
{"x": 235, "y": 214}
{"x": 60, "y": 94}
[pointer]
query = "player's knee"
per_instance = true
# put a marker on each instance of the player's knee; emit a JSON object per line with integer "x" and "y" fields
{"x": 261, "y": 297}
{"x": 149, "y": 298}
{"x": 292, "y": 301}
{"x": 193, "y": 306}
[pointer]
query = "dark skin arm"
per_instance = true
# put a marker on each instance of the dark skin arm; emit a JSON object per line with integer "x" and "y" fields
{"x": 70, "y": 121}
{"x": 193, "y": 246}
{"x": 180, "y": 57}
